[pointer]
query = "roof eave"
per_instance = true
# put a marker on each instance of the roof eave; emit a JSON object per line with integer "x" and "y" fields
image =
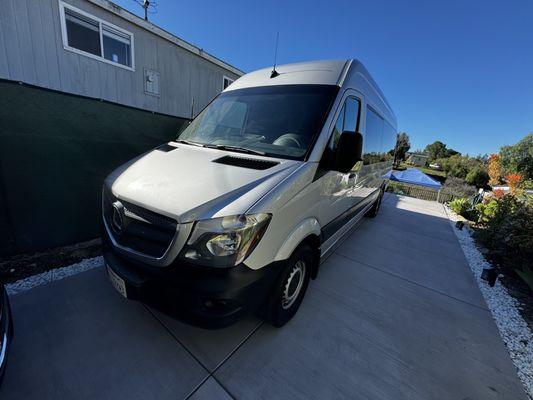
{"x": 134, "y": 19}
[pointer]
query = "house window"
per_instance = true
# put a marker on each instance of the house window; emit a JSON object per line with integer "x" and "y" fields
{"x": 226, "y": 82}
{"x": 83, "y": 33}
{"x": 117, "y": 46}
{"x": 95, "y": 38}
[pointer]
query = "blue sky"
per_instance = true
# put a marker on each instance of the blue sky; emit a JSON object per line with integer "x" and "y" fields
{"x": 456, "y": 71}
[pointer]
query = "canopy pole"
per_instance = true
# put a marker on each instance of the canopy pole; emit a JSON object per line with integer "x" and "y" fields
{"x": 438, "y": 195}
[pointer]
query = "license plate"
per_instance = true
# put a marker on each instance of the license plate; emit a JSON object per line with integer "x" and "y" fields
{"x": 117, "y": 282}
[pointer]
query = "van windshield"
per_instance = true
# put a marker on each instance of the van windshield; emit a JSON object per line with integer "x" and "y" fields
{"x": 277, "y": 121}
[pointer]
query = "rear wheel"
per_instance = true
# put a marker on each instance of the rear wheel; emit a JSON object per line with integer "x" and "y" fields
{"x": 375, "y": 207}
{"x": 290, "y": 288}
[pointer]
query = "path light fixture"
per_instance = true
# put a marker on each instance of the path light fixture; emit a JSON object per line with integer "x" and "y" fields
{"x": 490, "y": 275}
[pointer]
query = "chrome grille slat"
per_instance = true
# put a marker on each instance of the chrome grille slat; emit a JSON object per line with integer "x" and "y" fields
{"x": 144, "y": 231}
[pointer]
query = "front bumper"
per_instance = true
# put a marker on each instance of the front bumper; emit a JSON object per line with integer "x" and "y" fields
{"x": 6, "y": 330}
{"x": 203, "y": 296}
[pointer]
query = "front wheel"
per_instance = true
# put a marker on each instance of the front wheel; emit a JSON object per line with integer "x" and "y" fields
{"x": 290, "y": 288}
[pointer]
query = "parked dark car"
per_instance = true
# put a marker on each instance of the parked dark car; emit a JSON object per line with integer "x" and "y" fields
{"x": 6, "y": 329}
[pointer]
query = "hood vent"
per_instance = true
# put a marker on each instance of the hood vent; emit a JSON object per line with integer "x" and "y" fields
{"x": 250, "y": 163}
{"x": 166, "y": 148}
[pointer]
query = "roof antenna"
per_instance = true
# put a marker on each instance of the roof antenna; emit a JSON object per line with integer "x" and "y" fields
{"x": 149, "y": 7}
{"x": 275, "y": 73}
{"x": 146, "y": 4}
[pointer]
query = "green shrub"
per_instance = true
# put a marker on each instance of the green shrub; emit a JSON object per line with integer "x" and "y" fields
{"x": 486, "y": 210}
{"x": 458, "y": 187}
{"x": 464, "y": 208}
{"x": 507, "y": 231}
{"x": 459, "y": 206}
{"x": 396, "y": 188}
{"x": 478, "y": 177}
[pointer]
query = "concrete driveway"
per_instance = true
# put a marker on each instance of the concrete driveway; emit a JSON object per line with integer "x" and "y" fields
{"x": 394, "y": 314}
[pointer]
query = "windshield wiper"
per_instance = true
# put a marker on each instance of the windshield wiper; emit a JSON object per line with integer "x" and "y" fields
{"x": 235, "y": 148}
{"x": 222, "y": 147}
{"x": 189, "y": 142}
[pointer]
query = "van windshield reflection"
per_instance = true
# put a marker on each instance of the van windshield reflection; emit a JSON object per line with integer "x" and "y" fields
{"x": 277, "y": 121}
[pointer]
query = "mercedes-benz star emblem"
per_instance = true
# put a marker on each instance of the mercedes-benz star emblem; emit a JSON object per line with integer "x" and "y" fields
{"x": 117, "y": 220}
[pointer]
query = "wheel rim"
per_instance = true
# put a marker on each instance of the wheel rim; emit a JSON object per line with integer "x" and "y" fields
{"x": 293, "y": 285}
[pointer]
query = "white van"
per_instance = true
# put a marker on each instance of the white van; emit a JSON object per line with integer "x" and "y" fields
{"x": 236, "y": 214}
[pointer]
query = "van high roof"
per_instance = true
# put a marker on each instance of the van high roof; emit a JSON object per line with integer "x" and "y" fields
{"x": 343, "y": 73}
{"x": 315, "y": 72}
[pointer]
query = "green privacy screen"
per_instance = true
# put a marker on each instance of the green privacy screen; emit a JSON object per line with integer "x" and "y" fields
{"x": 55, "y": 151}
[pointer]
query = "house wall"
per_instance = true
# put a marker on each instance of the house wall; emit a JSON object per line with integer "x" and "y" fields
{"x": 73, "y": 119}
{"x": 31, "y": 51}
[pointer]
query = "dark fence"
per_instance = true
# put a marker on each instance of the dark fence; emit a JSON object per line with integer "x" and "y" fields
{"x": 421, "y": 192}
{"x": 55, "y": 151}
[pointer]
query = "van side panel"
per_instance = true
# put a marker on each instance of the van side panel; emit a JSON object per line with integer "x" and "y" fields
{"x": 302, "y": 204}
{"x": 293, "y": 205}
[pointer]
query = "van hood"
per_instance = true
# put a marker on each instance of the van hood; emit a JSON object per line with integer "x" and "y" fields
{"x": 185, "y": 182}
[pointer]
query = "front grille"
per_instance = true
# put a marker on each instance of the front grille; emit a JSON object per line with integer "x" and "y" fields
{"x": 137, "y": 228}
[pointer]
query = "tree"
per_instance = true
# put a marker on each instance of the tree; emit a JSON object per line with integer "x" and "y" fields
{"x": 436, "y": 150}
{"x": 459, "y": 166}
{"x": 494, "y": 170}
{"x": 477, "y": 177}
{"x": 402, "y": 146}
{"x": 451, "y": 152}
{"x": 518, "y": 158}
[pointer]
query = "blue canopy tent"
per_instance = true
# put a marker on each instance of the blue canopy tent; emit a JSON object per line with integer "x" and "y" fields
{"x": 413, "y": 176}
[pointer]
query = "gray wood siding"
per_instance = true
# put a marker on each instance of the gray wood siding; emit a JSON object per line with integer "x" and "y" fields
{"x": 31, "y": 51}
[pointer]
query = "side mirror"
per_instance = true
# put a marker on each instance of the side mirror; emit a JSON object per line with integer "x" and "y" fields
{"x": 349, "y": 151}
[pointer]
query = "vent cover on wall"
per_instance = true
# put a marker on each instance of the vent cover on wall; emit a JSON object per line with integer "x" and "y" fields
{"x": 151, "y": 82}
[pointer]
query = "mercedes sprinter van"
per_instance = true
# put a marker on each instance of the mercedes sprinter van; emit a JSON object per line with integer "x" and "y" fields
{"x": 237, "y": 212}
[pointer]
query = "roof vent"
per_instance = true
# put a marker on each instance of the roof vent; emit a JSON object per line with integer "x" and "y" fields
{"x": 250, "y": 163}
{"x": 166, "y": 148}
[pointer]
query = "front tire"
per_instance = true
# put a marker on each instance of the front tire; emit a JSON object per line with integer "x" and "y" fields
{"x": 290, "y": 288}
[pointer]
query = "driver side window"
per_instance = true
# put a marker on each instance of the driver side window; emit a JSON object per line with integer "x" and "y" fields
{"x": 337, "y": 130}
{"x": 348, "y": 120}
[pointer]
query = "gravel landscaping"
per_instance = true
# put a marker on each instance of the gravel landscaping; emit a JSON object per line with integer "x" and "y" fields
{"x": 53, "y": 275}
{"x": 21, "y": 266}
{"x": 505, "y": 310}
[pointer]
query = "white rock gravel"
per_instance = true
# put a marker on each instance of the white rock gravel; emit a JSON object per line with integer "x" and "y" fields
{"x": 53, "y": 275}
{"x": 513, "y": 328}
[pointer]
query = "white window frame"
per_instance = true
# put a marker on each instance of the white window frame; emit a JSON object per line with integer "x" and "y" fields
{"x": 101, "y": 22}
{"x": 227, "y": 78}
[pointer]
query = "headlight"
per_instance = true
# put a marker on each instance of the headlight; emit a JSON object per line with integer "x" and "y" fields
{"x": 224, "y": 242}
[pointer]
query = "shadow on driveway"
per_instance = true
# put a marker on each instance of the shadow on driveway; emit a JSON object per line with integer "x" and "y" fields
{"x": 394, "y": 314}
